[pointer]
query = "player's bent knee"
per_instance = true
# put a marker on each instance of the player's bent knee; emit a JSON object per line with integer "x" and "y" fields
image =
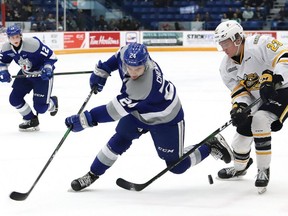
{"x": 118, "y": 144}
{"x": 16, "y": 101}
{"x": 262, "y": 121}
{"x": 41, "y": 108}
{"x": 181, "y": 167}
{"x": 241, "y": 144}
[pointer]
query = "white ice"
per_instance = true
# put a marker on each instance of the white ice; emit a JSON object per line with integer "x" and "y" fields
{"x": 206, "y": 102}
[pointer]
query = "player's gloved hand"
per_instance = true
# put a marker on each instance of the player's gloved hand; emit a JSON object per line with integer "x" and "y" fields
{"x": 47, "y": 72}
{"x": 99, "y": 77}
{"x": 5, "y": 76}
{"x": 80, "y": 122}
{"x": 267, "y": 85}
{"x": 276, "y": 125}
{"x": 238, "y": 116}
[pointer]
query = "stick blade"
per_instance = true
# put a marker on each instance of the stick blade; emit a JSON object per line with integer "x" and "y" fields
{"x": 129, "y": 185}
{"x": 18, "y": 196}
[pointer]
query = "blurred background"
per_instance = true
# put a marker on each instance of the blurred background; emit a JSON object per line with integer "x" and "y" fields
{"x": 127, "y": 15}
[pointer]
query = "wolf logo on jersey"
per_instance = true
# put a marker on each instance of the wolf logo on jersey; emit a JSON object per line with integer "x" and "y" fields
{"x": 25, "y": 64}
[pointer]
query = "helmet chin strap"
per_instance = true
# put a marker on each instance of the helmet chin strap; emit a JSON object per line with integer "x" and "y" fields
{"x": 238, "y": 49}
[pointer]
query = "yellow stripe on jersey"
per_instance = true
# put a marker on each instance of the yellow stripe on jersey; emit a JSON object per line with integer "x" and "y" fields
{"x": 237, "y": 90}
{"x": 283, "y": 60}
{"x": 277, "y": 58}
{"x": 245, "y": 93}
{"x": 284, "y": 115}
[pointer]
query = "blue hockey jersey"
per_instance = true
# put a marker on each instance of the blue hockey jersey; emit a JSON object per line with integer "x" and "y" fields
{"x": 151, "y": 98}
{"x": 31, "y": 57}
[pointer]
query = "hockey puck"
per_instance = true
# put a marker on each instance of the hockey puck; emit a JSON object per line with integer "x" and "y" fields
{"x": 210, "y": 179}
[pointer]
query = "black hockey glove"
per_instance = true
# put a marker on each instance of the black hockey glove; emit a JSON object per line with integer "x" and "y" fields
{"x": 238, "y": 116}
{"x": 276, "y": 125}
{"x": 267, "y": 85}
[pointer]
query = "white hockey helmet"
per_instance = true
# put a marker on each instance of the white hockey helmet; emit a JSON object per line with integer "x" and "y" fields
{"x": 228, "y": 29}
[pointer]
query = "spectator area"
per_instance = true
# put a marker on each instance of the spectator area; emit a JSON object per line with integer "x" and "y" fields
{"x": 149, "y": 14}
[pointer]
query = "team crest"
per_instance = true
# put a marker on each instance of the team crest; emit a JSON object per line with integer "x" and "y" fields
{"x": 250, "y": 81}
{"x": 25, "y": 64}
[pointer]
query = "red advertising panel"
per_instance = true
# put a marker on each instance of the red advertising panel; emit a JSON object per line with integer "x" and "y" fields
{"x": 270, "y": 33}
{"x": 74, "y": 40}
{"x": 104, "y": 39}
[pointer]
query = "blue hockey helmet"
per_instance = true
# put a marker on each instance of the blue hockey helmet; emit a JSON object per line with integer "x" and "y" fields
{"x": 136, "y": 54}
{"x": 13, "y": 30}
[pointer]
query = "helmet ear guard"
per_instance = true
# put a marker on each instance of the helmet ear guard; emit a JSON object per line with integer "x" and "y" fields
{"x": 136, "y": 54}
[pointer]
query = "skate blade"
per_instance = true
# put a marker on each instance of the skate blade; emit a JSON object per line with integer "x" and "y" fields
{"x": 32, "y": 129}
{"x": 235, "y": 178}
{"x": 53, "y": 113}
{"x": 261, "y": 190}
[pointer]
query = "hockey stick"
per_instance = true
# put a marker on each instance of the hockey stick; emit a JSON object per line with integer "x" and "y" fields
{"x": 139, "y": 187}
{"x": 54, "y": 74}
{"x": 22, "y": 196}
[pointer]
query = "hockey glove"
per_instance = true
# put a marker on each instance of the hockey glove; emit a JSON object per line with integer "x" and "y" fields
{"x": 238, "y": 116}
{"x": 276, "y": 125}
{"x": 99, "y": 77}
{"x": 80, "y": 122}
{"x": 5, "y": 76}
{"x": 267, "y": 85}
{"x": 46, "y": 72}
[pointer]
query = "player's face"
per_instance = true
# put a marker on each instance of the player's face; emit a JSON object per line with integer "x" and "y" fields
{"x": 135, "y": 72}
{"x": 15, "y": 40}
{"x": 229, "y": 47}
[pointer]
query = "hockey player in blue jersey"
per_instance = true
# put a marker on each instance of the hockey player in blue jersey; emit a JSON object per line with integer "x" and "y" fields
{"x": 33, "y": 57}
{"x": 147, "y": 103}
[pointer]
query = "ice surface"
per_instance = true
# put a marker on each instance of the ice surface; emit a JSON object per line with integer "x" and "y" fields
{"x": 206, "y": 103}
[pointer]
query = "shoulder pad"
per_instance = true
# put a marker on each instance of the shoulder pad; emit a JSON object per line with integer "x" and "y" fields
{"x": 121, "y": 52}
{"x": 6, "y": 46}
{"x": 31, "y": 44}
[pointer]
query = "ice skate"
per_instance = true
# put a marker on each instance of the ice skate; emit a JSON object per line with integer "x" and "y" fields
{"x": 262, "y": 180}
{"x": 84, "y": 181}
{"x": 220, "y": 148}
{"x": 230, "y": 173}
{"x": 30, "y": 125}
{"x": 55, "y": 110}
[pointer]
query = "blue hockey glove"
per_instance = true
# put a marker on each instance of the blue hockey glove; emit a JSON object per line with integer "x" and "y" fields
{"x": 238, "y": 116}
{"x": 267, "y": 85}
{"x": 99, "y": 77}
{"x": 5, "y": 76}
{"x": 80, "y": 122}
{"x": 46, "y": 72}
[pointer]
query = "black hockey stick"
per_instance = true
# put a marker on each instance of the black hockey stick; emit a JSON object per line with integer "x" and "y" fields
{"x": 54, "y": 74}
{"x": 22, "y": 196}
{"x": 139, "y": 187}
